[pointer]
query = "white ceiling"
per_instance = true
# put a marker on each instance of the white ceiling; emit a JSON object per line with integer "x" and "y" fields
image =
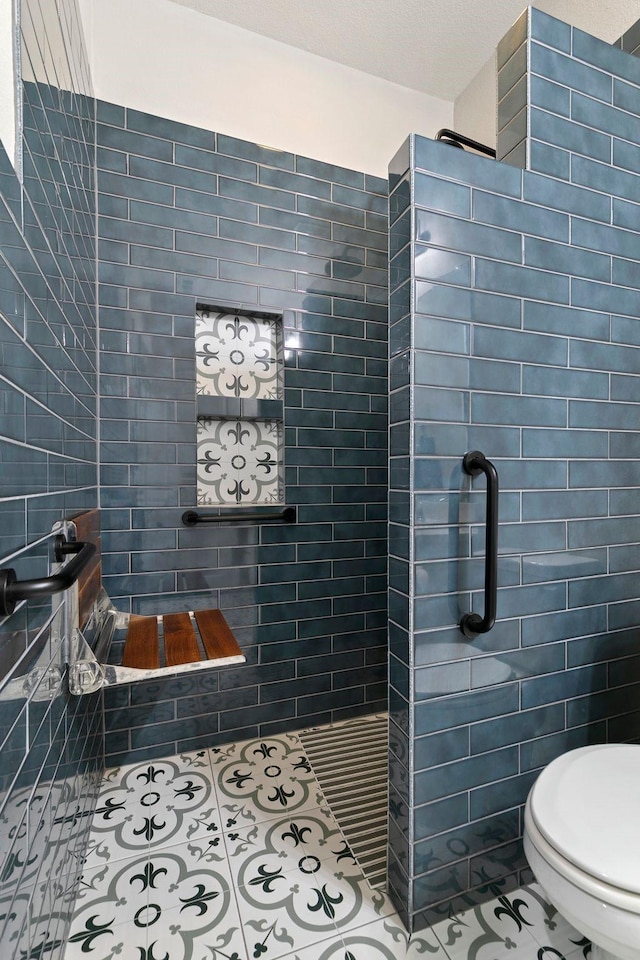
{"x": 435, "y": 46}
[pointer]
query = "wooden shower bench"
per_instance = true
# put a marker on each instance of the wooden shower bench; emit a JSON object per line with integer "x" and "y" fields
{"x": 152, "y": 646}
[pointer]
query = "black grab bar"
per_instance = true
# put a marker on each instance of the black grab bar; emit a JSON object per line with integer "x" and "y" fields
{"x": 472, "y": 624}
{"x": 13, "y": 590}
{"x": 191, "y": 517}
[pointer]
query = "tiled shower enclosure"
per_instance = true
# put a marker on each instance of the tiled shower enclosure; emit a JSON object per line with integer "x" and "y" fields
{"x": 515, "y": 298}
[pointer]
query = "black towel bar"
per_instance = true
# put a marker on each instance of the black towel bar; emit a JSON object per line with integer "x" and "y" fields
{"x": 191, "y": 517}
{"x": 13, "y": 590}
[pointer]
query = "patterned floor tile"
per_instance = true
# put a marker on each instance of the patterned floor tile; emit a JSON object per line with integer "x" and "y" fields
{"x": 319, "y": 949}
{"x": 194, "y": 919}
{"x": 157, "y": 775}
{"x": 492, "y": 931}
{"x": 232, "y": 854}
{"x": 388, "y": 940}
{"x": 152, "y": 807}
{"x": 341, "y": 881}
{"x": 383, "y": 940}
{"x": 122, "y": 942}
{"x": 186, "y": 887}
{"x": 260, "y": 779}
{"x": 549, "y": 929}
{"x": 283, "y": 911}
{"x": 285, "y": 842}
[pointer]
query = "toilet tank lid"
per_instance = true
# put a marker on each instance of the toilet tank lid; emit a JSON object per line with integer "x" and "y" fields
{"x": 586, "y": 804}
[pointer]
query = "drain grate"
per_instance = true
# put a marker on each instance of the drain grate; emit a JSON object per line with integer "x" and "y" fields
{"x": 350, "y": 761}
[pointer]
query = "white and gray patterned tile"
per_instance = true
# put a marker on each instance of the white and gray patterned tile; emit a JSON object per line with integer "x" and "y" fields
{"x": 550, "y": 930}
{"x": 286, "y": 841}
{"x": 154, "y": 805}
{"x": 232, "y": 854}
{"x": 283, "y": 912}
{"x": 173, "y": 897}
{"x": 261, "y": 779}
{"x": 500, "y": 928}
{"x": 387, "y": 940}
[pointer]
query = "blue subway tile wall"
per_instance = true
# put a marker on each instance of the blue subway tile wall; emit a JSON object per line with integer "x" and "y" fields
{"x": 525, "y": 347}
{"x": 51, "y": 743}
{"x": 187, "y": 217}
{"x": 567, "y": 104}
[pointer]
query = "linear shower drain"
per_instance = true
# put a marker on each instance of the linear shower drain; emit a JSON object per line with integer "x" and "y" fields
{"x": 359, "y": 804}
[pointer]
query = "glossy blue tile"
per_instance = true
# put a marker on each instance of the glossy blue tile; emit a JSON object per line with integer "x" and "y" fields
{"x": 136, "y": 188}
{"x": 519, "y": 216}
{"x": 434, "y": 818}
{"x": 550, "y": 30}
{"x": 570, "y": 73}
{"x": 460, "y": 304}
{"x": 623, "y": 501}
{"x": 626, "y": 155}
{"x": 596, "y": 415}
{"x": 529, "y": 411}
{"x": 436, "y": 193}
{"x": 466, "y": 236}
{"x": 566, "y": 321}
{"x": 436, "y": 157}
{"x": 431, "y": 263}
{"x": 563, "y": 625}
{"x": 566, "y": 259}
{"x": 512, "y": 102}
{"x": 563, "y": 197}
{"x": 564, "y": 382}
{"x": 546, "y": 95}
{"x": 625, "y": 273}
{"x": 560, "y": 504}
{"x": 436, "y": 404}
{"x": 437, "y": 370}
{"x": 544, "y": 158}
{"x": 604, "y": 177}
{"x": 600, "y": 532}
{"x": 607, "y": 297}
{"x": 512, "y": 40}
{"x": 464, "y": 774}
{"x": 605, "y": 56}
{"x": 434, "y": 715}
{"x": 504, "y": 278}
{"x": 615, "y": 473}
{"x": 511, "y": 145}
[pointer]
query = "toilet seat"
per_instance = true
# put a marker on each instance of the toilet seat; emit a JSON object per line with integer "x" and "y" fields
{"x": 584, "y": 809}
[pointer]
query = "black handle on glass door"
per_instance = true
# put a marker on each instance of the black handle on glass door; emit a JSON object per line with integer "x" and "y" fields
{"x": 472, "y": 624}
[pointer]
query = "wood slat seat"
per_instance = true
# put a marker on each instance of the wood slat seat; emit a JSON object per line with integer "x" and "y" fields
{"x": 180, "y": 633}
{"x": 161, "y": 644}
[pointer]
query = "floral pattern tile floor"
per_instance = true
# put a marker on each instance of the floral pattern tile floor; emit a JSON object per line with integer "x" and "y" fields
{"x": 232, "y": 854}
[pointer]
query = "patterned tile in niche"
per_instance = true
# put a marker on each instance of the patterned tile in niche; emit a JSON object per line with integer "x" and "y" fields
{"x": 151, "y": 805}
{"x": 175, "y": 902}
{"x": 260, "y": 779}
{"x": 238, "y": 356}
{"x": 239, "y": 461}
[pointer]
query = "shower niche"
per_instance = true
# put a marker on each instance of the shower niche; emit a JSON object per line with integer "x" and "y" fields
{"x": 239, "y": 394}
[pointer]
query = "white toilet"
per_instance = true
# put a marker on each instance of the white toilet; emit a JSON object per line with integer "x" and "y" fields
{"x": 582, "y": 841}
